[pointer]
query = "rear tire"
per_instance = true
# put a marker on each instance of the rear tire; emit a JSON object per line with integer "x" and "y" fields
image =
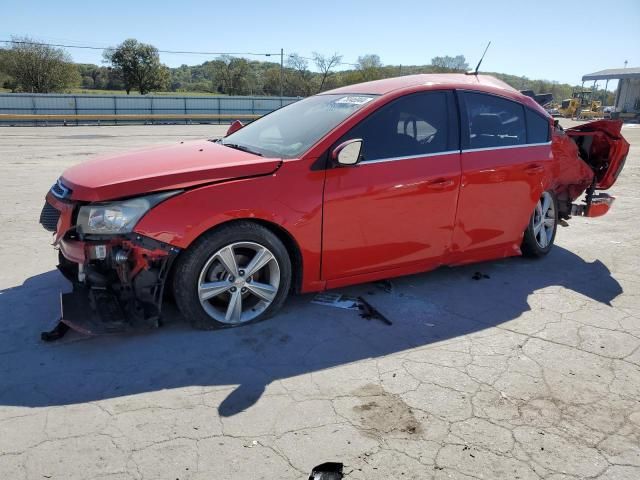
{"x": 541, "y": 232}
{"x": 235, "y": 275}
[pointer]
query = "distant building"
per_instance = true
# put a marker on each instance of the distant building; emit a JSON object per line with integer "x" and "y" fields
{"x": 627, "y": 103}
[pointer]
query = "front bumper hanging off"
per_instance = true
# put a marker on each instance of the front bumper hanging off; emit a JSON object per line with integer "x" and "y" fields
{"x": 118, "y": 284}
{"x": 118, "y": 280}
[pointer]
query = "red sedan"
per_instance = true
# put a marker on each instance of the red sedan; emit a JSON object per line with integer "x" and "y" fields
{"x": 361, "y": 183}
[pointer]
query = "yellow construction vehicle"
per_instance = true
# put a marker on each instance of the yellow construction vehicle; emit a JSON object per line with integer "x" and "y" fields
{"x": 581, "y": 105}
{"x": 594, "y": 110}
{"x": 569, "y": 107}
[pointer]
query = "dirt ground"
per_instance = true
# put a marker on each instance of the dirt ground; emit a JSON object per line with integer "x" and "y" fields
{"x": 532, "y": 372}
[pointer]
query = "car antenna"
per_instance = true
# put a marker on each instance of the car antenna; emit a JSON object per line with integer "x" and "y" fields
{"x": 475, "y": 72}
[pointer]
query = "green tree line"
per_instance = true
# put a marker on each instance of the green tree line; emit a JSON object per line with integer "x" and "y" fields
{"x": 132, "y": 66}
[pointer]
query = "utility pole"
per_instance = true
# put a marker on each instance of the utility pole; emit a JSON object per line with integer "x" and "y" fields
{"x": 281, "y": 70}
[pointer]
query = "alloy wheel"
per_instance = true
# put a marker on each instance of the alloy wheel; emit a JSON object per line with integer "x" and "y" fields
{"x": 544, "y": 220}
{"x": 238, "y": 282}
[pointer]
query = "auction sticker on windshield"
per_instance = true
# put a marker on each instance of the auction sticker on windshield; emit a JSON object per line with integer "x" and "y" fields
{"x": 354, "y": 100}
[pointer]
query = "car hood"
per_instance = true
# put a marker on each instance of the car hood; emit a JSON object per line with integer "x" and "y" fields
{"x": 169, "y": 167}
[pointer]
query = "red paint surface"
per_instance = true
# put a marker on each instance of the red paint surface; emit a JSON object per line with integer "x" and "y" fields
{"x": 162, "y": 168}
{"x": 498, "y": 193}
{"x": 389, "y": 214}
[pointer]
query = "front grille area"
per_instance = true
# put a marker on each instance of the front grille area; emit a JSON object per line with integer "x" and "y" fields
{"x": 49, "y": 217}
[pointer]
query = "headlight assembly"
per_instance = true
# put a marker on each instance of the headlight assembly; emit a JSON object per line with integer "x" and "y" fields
{"x": 117, "y": 217}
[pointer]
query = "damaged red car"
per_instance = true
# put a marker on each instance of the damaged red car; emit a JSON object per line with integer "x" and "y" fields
{"x": 365, "y": 182}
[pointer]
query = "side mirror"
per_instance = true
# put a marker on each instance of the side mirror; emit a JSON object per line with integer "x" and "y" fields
{"x": 348, "y": 153}
{"x": 234, "y": 127}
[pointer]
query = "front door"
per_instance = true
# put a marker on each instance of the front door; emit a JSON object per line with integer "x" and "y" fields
{"x": 395, "y": 208}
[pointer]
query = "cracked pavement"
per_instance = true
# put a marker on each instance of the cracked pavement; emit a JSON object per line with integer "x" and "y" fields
{"x": 532, "y": 373}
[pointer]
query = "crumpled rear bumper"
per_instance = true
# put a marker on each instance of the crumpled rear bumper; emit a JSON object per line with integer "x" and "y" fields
{"x": 598, "y": 206}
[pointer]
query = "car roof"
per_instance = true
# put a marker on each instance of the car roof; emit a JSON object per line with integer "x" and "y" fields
{"x": 427, "y": 81}
{"x": 387, "y": 85}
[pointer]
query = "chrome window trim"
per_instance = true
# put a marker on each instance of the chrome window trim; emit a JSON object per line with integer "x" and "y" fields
{"x": 408, "y": 157}
{"x": 451, "y": 152}
{"x": 464, "y": 150}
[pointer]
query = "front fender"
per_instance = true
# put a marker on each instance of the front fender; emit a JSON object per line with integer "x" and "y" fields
{"x": 290, "y": 198}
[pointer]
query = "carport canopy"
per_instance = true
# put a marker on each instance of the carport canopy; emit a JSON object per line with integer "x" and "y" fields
{"x": 613, "y": 74}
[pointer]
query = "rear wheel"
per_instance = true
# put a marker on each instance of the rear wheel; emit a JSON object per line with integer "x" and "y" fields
{"x": 541, "y": 232}
{"x": 232, "y": 276}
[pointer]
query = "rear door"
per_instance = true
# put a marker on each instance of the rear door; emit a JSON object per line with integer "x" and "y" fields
{"x": 503, "y": 166}
{"x": 397, "y": 206}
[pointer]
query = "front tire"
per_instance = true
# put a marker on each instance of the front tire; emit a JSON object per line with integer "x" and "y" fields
{"x": 541, "y": 232}
{"x": 235, "y": 275}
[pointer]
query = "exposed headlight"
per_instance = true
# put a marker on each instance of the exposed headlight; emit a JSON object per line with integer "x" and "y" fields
{"x": 117, "y": 217}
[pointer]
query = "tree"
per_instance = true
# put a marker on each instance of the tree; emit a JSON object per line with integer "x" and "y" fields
{"x": 370, "y": 67}
{"x": 271, "y": 82}
{"x": 39, "y": 68}
{"x": 139, "y": 66}
{"x": 231, "y": 75}
{"x": 95, "y": 77}
{"x": 450, "y": 64}
{"x": 325, "y": 64}
{"x": 6, "y": 80}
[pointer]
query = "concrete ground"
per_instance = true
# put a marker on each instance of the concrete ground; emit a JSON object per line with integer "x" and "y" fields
{"x": 533, "y": 372}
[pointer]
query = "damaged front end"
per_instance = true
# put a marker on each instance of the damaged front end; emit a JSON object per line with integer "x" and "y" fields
{"x": 118, "y": 278}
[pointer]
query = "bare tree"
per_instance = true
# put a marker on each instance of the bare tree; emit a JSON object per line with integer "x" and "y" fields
{"x": 299, "y": 78}
{"x": 39, "y": 68}
{"x": 325, "y": 64}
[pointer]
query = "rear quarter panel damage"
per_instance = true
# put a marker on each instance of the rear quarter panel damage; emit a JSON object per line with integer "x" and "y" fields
{"x": 570, "y": 175}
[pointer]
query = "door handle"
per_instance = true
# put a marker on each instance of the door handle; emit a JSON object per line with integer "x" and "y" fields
{"x": 534, "y": 168}
{"x": 440, "y": 184}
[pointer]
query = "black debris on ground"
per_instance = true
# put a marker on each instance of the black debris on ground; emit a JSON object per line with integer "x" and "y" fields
{"x": 479, "y": 276}
{"x": 369, "y": 312}
{"x": 327, "y": 471}
{"x": 56, "y": 333}
{"x": 385, "y": 285}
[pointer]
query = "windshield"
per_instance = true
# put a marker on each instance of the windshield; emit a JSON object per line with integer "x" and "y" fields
{"x": 292, "y": 130}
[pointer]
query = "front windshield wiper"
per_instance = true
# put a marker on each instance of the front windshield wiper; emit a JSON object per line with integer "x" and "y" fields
{"x": 241, "y": 147}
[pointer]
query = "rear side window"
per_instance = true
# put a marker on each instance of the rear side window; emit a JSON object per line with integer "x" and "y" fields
{"x": 493, "y": 122}
{"x": 414, "y": 125}
{"x": 538, "y": 128}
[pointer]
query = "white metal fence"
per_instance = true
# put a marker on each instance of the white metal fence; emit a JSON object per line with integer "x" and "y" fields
{"x": 39, "y": 109}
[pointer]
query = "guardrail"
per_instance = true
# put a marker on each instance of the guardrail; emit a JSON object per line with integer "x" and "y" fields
{"x": 153, "y": 118}
{"x": 54, "y": 109}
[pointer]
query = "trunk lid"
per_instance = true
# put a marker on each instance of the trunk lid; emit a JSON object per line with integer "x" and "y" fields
{"x": 602, "y": 146}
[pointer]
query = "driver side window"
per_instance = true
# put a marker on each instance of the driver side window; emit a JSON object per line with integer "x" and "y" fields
{"x": 413, "y": 125}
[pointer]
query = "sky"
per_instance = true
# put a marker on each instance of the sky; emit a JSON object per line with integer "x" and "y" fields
{"x": 541, "y": 40}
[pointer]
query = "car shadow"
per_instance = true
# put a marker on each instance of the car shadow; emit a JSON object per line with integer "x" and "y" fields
{"x": 303, "y": 338}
